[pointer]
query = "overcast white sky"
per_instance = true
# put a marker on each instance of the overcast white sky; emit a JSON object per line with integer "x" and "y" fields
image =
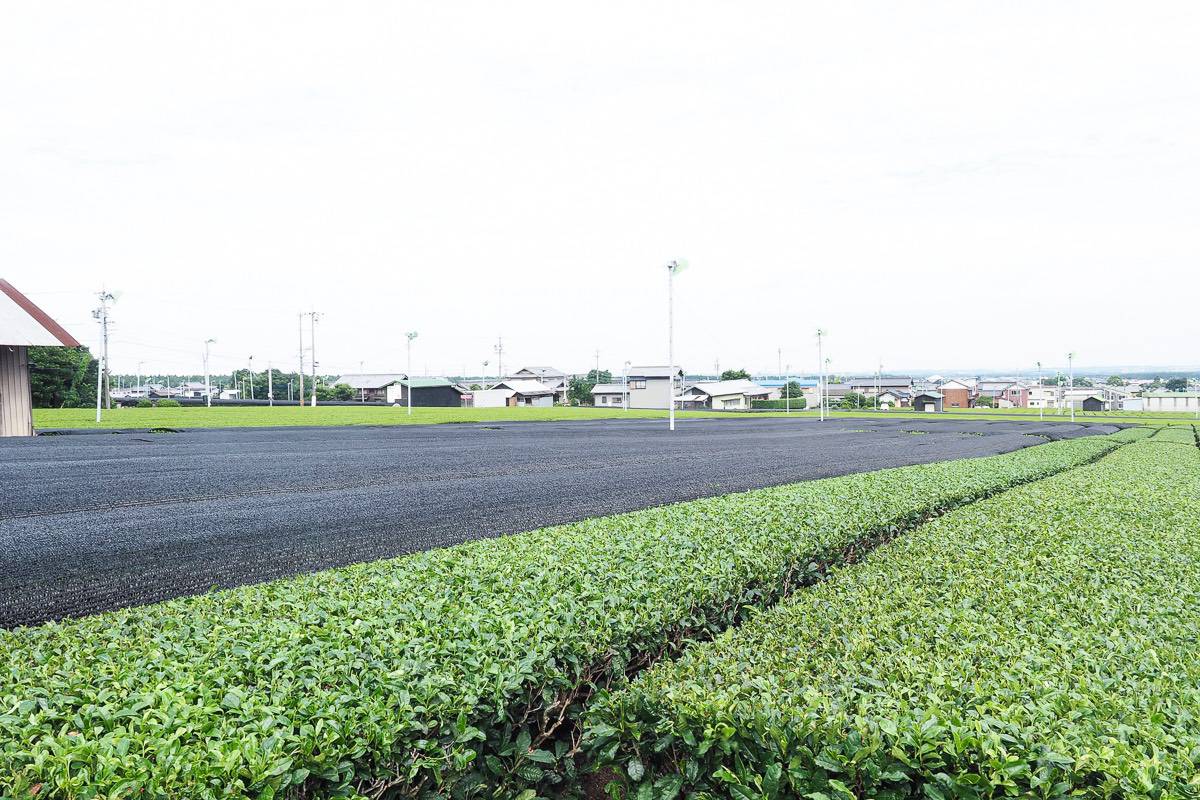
{"x": 940, "y": 185}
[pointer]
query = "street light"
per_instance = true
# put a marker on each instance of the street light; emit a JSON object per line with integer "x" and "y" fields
{"x": 679, "y": 265}
{"x": 820, "y": 376}
{"x": 410, "y": 335}
{"x": 207, "y": 382}
{"x": 625, "y": 385}
{"x": 828, "y": 408}
{"x": 1071, "y": 383}
{"x": 1041, "y": 390}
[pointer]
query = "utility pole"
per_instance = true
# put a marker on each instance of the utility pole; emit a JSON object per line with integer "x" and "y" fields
{"x": 597, "y": 365}
{"x": 820, "y": 376}
{"x": 410, "y": 335}
{"x": 301, "y": 373}
{"x": 484, "y": 376}
{"x": 499, "y": 351}
{"x": 625, "y": 385}
{"x": 779, "y": 359}
{"x": 250, "y": 369}
{"x": 139, "y": 380}
{"x": 270, "y": 387}
{"x": 101, "y": 315}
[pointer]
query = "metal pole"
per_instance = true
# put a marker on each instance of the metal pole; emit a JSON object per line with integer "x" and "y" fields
{"x": 207, "y": 380}
{"x": 312, "y": 337}
{"x": 820, "y": 377}
{"x": 625, "y": 387}
{"x": 250, "y": 369}
{"x": 671, "y": 344}
{"x": 139, "y": 379}
{"x": 787, "y": 390}
{"x": 411, "y": 335}
{"x": 301, "y": 395}
{"x": 270, "y": 387}
{"x": 1071, "y": 383}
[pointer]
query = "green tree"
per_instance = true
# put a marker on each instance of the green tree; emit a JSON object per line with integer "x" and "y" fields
{"x": 791, "y": 389}
{"x": 1115, "y": 380}
{"x": 735, "y": 375}
{"x": 984, "y": 401}
{"x": 1083, "y": 381}
{"x": 62, "y": 377}
{"x": 854, "y": 400}
{"x": 343, "y": 391}
{"x": 1177, "y": 385}
{"x": 579, "y": 390}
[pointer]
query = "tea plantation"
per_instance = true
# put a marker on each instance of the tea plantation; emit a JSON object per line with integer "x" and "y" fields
{"x": 1041, "y": 643}
{"x": 1013, "y": 624}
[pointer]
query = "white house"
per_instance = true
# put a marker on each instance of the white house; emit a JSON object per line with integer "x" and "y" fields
{"x": 377, "y": 387}
{"x": 729, "y": 395}
{"x": 607, "y": 395}
{"x": 522, "y": 393}
{"x": 653, "y": 387}
{"x": 550, "y": 377}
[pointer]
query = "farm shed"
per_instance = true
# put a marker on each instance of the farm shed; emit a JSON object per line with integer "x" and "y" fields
{"x": 22, "y": 325}
{"x": 1093, "y": 403}
{"x": 428, "y": 393}
{"x": 927, "y": 401}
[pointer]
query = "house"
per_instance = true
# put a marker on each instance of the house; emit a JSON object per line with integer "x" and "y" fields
{"x": 653, "y": 387}
{"x": 375, "y": 387}
{"x": 956, "y": 393}
{"x": 895, "y": 397}
{"x": 514, "y": 392}
{"x": 718, "y": 395}
{"x": 1005, "y": 394}
{"x": 608, "y": 395}
{"x": 869, "y": 386}
{"x": 928, "y": 401}
{"x": 551, "y": 377}
{"x": 1171, "y": 401}
{"x": 835, "y": 393}
{"x": 1094, "y": 403}
{"x": 22, "y": 325}
{"x": 193, "y": 389}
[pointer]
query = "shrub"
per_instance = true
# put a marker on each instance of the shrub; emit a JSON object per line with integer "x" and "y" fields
{"x": 145, "y": 402}
{"x": 440, "y": 671}
{"x": 1039, "y": 643}
{"x": 169, "y": 403}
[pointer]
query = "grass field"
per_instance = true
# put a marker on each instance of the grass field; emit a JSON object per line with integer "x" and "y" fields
{"x": 239, "y": 417}
{"x": 258, "y": 416}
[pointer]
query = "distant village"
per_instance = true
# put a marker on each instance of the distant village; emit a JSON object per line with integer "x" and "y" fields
{"x": 650, "y": 387}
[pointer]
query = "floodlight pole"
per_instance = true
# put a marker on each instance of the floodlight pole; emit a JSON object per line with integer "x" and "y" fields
{"x": 270, "y": 388}
{"x": 301, "y": 373}
{"x": 207, "y": 381}
{"x": 1071, "y": 383}
{"x": 1042, "y": 404}
{"x": 250, "y": 369}
{"x": 312, "y": 336}
{"x": 410, "y": 336}
{"x": 101, "y": 315}
{"x": 820, "y": 377}
{"x": 672, "y": 268}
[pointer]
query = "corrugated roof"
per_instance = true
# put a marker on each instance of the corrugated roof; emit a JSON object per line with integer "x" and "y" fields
{"x": 542, "y": 372}
{"x": 608, "y": 388}
{"x": 23, "y": 324}
{"x": 526, "y": 387}
{"x": 427, "y": 383}
{"x": 722, "y": 388}
{"x": 372, "y": 380}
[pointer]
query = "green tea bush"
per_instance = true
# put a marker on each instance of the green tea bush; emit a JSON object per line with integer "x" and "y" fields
{"x": 145, "y": 402}
{"x": 441, "y": 671}
{"x": 168, "y": 402}
{"x": 1041, "y": 643}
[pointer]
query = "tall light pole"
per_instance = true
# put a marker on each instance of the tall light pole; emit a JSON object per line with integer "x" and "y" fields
{"x": 1041, "y": 389}
{"x": 679, "y": 265}
{"x": 139, "y": 380}
{"x": 787, "y": 389}
{"x": 312, "y": 338}
{"x": 1071, "y": 383}
{"x": 207, "y": 382}
{"x": 410, "y": 336}
{"x": 625, "y": 385}
{"x": 270, "y": 386}
{"x": 828, "y": 408}
{"x": 301, "y": 373}
{"x": 250, "y": 369}
{"x": 498, "y": 349}
{"x": 820, "y": 376}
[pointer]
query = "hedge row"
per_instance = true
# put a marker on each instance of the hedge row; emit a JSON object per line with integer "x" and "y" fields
{"x": 442, "y": 671}
{"x": 1042, "y": 643}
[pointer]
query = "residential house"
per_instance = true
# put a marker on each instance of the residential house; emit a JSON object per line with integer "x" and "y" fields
{"x": 728, "y": 395}
{"x": 193, "y": 389}
{"x": 654, "y": 386}
{"x": 375, "y": 387}
{"x": 22, "y": 325}
{"x": 898, "y": 398}
{"x": 835, "y": 393}
{"x": 957, "y": 393}
{"x": 870, "y": 386}
{"x": 516, "y": 392}
{"x": 1005, "y": 394}
{"x": 428, "y": 393}
{"x": 608, "y": 395}
{"x": 551, "y": 377}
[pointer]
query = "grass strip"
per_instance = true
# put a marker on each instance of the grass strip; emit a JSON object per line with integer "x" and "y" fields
{"x": 442, "y": 671}
{"x": 1041, "y": 643}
